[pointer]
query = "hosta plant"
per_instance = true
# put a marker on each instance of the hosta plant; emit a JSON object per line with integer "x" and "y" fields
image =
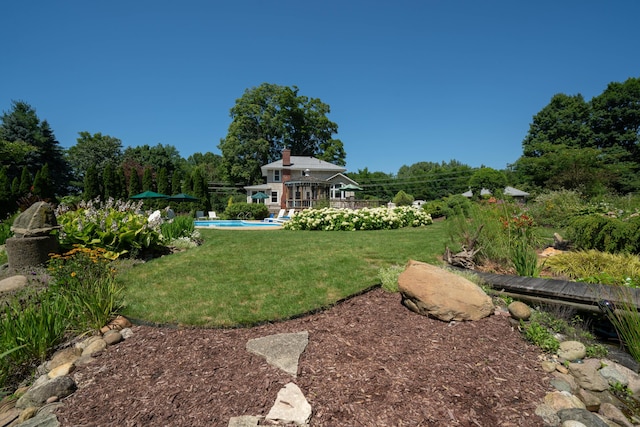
{"x": 118, "y": 227}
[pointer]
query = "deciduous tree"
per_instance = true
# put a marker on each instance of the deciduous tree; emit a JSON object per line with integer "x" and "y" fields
{"x": 269, "y": 118}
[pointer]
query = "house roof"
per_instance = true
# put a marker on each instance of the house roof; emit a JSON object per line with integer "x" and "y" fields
{"x": 301, "y": 163}
{"x": 508, "y": 191}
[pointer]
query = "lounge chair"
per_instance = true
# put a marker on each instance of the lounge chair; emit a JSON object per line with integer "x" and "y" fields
{"x": 278, "y": 218}
{"x": 212, "y": 215}
{"x": 200, "y": 215}
{"x": 286, "y": 217}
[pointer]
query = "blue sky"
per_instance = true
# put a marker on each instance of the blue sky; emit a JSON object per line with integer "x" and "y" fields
{"x": 407, "y": 81}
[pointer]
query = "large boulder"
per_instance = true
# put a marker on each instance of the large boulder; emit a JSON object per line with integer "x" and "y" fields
{"x": 433, "y": 291}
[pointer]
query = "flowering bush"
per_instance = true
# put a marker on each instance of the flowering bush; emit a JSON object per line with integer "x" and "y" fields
{"x": 116, "y": 226}
{"x": 361, "y": 219}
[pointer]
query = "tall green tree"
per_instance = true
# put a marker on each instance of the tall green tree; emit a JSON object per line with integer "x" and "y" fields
{"x": 91, "y": 186}
{"x": 147, "y": 179}
{"x": 21, "y": 125}
{"x": 7, "y": 202}
{"x": 26, "y": 181}
{"x": 93, "y": 150}
{"x": 122, "y": 187}
{"x": 134, "y": 183}
{"x": 110, "y": 182}
{"x": 269, "y": 118}
{"x": 163, "y": 181}
{"x": 155, "y": 157}
{"x": 487, "y": 178}
{"x": 176, "y": 182}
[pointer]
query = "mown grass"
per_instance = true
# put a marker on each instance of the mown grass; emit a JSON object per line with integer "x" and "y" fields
{"x": 248, "y": 277}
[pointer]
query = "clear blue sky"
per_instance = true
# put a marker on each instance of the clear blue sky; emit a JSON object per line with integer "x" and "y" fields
{"x": 407, "y": 81}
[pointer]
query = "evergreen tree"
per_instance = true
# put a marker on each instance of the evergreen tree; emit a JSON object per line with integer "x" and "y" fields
{"x": 187, "y": 185}
{"x": 46, "y": 185}
{"x": 15, "y": 186}
{"x": 6, "y": 198}
{"x": 134, "y": 183}
{"x": 122, "y": 191}
{"x": 36, "y": 189}
{"x": 163, "y": 181}
{"x": 22, "y": 124}
{"x": 176, "y": 182}
{"x": 147, "y": 180}
{"x": 198, "y": 184}
{"x": 25, "y": 182}
{"x": 109, "y": 181}
{"x": 91, "y": 184}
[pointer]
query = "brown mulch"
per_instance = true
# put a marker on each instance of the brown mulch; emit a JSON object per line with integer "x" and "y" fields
{"x": 369, "y": 362}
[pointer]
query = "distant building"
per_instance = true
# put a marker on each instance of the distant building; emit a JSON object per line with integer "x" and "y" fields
{"x": 508, "y": 191}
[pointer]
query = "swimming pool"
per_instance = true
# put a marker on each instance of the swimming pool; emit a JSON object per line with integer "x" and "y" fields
{"x": 238, "y": 224}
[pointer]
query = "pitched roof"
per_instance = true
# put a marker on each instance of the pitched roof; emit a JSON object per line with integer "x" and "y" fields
{"x": 508, "y": 191}
{"x": 301, "y": 163}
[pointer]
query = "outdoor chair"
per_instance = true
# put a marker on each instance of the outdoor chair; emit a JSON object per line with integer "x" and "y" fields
{"x": 212, "y": 215}
{"x": 200, "y": 215}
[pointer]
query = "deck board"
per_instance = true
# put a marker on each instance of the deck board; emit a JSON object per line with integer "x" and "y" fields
{"x": 563, "y": 290}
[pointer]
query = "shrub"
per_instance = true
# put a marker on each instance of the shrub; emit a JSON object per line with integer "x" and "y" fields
{"x": 116, "y": 226}
{"x": 597, "y": 267}
{"x": 437, "y": 209}
{"x": 403, "y": 199}
{"x": 605, "y": 233}
{"x": 5, "y": 228}
{"x": 331, "y": 219}
{"x": 246, "y": 211}
{"x": 556, "y": 208}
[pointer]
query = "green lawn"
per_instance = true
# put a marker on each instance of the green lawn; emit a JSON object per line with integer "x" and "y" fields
{"x": 247, "y": 277}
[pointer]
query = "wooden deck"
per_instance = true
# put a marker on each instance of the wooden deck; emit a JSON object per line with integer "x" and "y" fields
{"x": 562, "y": 291}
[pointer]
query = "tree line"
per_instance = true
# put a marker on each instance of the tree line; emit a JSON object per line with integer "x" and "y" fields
{"x": 589, "y": 146}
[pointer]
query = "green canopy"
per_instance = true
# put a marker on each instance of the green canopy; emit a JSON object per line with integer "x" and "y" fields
{"x": 183, "y": 197}
{"x": 149, "y": 195}
{"x": 260, "y": 196}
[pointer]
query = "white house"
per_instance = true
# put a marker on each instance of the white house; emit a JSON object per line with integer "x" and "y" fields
{"x": 301, "y": 182}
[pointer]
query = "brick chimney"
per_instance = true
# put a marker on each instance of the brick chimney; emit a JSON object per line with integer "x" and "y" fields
{"x": 286, "y": 176}
{"x": 286, "y": 157}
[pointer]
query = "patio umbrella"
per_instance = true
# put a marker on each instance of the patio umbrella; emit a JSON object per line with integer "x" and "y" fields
{"x": 183, "y": 197}
{"x": 149, "y": 195}
{"x": 350, "y": 187}
{"x": 260, "y": 196}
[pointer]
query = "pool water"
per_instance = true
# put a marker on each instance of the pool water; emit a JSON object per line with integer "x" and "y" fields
{"x": 235, "y": 223}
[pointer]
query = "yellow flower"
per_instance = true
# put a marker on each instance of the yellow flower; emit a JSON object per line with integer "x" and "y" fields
{"x": 73, "y": 274}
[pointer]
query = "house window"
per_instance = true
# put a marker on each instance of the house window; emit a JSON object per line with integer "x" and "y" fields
{"x": 274, "y": 197}
{"x": 276, "y": 176}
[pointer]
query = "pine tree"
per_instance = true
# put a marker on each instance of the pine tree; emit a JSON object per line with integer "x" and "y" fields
{"x": 48, "y": 192}
{"x": 147, "y": 180}
{"x": 15, "y": 186}
{"x": 109, "y": 183}
{"x": 122, "y": 189}
{"x": 91, "y": 184}
{"x": 134, "y": 183}
{"x": 36, "y": 189}
{"x": 176, "y": 182}
{"x": 6, "y": 199}
{"x": 163, "y": 181}
{"x": 25, "y": 182}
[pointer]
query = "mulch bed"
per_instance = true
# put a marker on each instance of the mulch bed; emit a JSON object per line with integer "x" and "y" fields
{"x": 369, "y": 362}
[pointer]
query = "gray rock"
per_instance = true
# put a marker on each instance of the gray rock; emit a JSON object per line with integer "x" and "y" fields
{"x": 572, "y": 350}
{"x": 112, "y": 337}
{"x": 290, "y": 407}
{"x": 37, "y": 220}
{"x": 614, "y": 376}
{"x": 611, "y": 412}
{"x": 519, "y": 310}
{"x": 587, "y": 375}
{"x": 581, "y": 415}
{"x": 93, "y": 347}
{"x": 281, "y": 350}
{"x": 38, "y": 395}
{"x": 42, "y": 419}
{"x": 13, "y": 283}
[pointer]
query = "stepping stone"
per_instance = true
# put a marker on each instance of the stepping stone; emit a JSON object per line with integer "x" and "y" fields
{"x": 281, "y": 350}
{"x": 291, "y": 407}
{"x": 13, "y": 283}
{"x": 244, "y": 421}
